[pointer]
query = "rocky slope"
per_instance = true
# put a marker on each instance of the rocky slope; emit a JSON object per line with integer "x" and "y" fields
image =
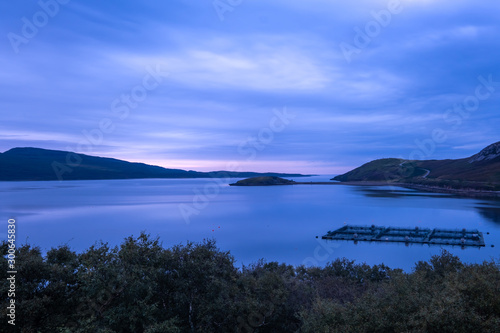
{"x": 489, "y": 153}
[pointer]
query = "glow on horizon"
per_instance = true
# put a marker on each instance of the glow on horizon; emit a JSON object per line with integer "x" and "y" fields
{"x": 248, "y": 166}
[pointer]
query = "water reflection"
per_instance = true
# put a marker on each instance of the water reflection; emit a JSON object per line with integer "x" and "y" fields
{"x": 396, "y": 192}
{"x": 487, "y": 208}
{"x": 490, "y": 213}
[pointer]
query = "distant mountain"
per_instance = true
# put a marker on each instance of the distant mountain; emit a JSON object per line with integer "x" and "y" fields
{"x": 23, "y": 164}
{"x": 480, "y": 171}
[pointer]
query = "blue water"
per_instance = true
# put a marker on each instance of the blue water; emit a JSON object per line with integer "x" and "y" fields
{"x": 278, "y": 223}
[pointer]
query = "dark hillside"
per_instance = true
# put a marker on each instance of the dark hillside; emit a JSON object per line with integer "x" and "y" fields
{"x": 480, "y": 171}
{"x": 23, "y": 164}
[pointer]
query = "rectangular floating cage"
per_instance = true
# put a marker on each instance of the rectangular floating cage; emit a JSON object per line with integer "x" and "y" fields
{"x": 460, "y": 237}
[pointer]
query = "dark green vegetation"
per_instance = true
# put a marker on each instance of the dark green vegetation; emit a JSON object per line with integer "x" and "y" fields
{"x": 20, "y": 164}
{"x": 478, "y": 172}
{"x": 263, "y": 181}
{"x": 143, "y": 287}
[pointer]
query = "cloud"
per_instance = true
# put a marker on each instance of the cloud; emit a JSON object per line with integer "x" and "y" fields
{"x": 226, "y": 77}
{"x": 258, "y": 67}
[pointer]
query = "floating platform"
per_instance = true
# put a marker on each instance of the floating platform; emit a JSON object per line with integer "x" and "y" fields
{"x": 460, "y": 237}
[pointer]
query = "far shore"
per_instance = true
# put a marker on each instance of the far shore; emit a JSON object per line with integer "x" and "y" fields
{"x": 434, "y": 189}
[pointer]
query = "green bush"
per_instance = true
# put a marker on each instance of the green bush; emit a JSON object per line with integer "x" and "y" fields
{"x": 141, "y": 286}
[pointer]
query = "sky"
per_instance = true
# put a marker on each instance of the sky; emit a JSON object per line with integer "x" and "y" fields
{"x": 316, "y": 86}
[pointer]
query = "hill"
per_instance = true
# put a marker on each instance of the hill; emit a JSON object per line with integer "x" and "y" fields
{"x": 23, "y": 164}
{"x": 478, "y": 172}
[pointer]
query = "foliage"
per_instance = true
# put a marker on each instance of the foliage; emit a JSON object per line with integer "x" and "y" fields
{"x": 141, "y": 286}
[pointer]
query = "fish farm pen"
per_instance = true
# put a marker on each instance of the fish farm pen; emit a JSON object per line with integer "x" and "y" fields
{"x": 460, "y": 237}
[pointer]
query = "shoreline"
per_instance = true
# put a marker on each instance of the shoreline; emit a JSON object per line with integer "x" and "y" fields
{"x": 432, "y": 189}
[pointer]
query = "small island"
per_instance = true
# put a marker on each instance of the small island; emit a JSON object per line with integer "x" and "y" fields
{"x": 272, "y": 181}
{"x": 263, "y": 181}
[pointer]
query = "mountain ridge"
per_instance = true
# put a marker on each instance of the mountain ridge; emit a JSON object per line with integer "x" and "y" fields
{"x": 34, "y": 164}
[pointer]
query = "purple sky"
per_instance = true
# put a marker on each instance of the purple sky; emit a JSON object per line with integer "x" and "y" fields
{"x": 317, "y": 86}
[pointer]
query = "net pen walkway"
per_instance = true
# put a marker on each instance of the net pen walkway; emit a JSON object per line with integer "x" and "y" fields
{"x": 461, "y": 237}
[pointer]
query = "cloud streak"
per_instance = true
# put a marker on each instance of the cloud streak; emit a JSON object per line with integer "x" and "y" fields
{"x": 226, "y": 77}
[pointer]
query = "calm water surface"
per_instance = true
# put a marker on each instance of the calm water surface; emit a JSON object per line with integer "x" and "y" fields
{"x": 276, "y": 223}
